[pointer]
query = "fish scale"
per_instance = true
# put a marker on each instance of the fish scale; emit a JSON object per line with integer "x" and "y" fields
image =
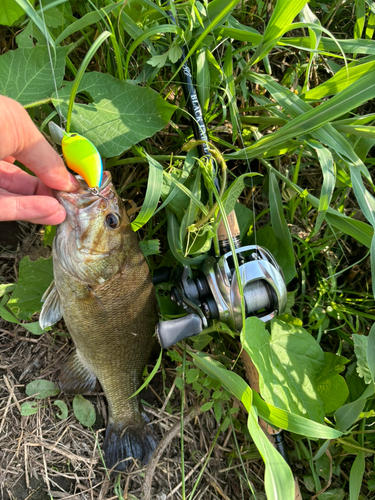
{"x": 106, "y": 297}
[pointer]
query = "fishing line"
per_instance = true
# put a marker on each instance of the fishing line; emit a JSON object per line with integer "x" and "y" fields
{"x": 61, "y": 118}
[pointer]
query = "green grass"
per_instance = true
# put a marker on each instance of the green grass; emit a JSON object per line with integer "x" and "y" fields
{"x": 286, "y": 89}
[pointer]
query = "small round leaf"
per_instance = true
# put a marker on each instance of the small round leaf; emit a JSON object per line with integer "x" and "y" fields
{"x": 41, "y": 389}
{"x": 29, "y": 408}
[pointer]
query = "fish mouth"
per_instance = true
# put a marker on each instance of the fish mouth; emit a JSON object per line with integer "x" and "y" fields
{"x": 73, "y": 202}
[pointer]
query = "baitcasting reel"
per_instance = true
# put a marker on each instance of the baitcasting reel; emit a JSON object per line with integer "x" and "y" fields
{"x": 214, "y": 294}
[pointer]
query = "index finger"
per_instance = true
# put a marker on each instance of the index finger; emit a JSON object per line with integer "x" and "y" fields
{"x": 21, "y": 139}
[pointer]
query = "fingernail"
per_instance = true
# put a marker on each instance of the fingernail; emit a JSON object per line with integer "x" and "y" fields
{"x": 74, "y": 182}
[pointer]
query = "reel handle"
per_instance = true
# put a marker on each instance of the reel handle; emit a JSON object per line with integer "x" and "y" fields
{"x": 172, "y": 331}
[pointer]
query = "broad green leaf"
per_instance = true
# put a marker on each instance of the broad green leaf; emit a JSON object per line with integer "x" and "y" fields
{"x": 63, "y": 409}
{"x": 84, "y": 410}
{"x": 29, "y": 408}
{"x": 360, "y": 349}
{"x": 356, "y": 476}
{"x": 8, "y": 316}
{"x": 288, "y": 362}
{"x": 34, "y": 328}
{"x": 120, "y": 115}
{"x": 153, "y": 192}
{"x": 41, "y": 389}
{"x": 278, "y": 221}
{"x": 10, "y": 12}
{"x": 349, "y": 413}
{"x": 331, "y": 386}
{"x": 34, "y": 279}
{"x": 26, "y": 74}
{"x": 49, "y": 234}
{"x": 275, "y": 416}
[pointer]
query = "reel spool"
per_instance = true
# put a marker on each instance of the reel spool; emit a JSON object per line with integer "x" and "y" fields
{"x": 214, "y": 294}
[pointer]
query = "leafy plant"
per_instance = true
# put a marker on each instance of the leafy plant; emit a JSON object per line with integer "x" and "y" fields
{"x": 296, "y": 110}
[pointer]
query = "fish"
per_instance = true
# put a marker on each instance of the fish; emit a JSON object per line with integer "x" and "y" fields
{"x": 82, "y": 157}
{"x": 103, "y": 290}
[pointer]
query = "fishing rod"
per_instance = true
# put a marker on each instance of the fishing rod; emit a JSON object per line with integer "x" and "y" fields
{"x": 213, "y": 293}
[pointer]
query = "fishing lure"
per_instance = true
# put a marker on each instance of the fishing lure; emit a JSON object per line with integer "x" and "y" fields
{"x": 83, "y": 158}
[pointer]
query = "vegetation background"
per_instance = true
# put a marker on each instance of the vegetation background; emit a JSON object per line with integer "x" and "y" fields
{"x": 286, "y": 90}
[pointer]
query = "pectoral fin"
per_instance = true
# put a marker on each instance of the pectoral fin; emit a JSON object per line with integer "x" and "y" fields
{"x": 51, "y": 311}
{"x": 76, "y": 377}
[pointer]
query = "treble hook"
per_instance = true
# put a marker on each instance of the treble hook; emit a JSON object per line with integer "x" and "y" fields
{"x": 95, "y": 192}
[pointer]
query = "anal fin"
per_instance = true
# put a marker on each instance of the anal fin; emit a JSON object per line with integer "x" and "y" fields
{"x": 76, "y": 377}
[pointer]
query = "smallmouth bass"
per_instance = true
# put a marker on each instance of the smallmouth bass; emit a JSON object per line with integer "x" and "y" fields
{"x": 103, "y": 290}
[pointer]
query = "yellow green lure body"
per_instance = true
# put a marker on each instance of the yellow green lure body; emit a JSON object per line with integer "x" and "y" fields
{"x": 83, "y": 158}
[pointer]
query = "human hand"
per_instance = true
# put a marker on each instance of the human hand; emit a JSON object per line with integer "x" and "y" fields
{"x": 23, "y": 196}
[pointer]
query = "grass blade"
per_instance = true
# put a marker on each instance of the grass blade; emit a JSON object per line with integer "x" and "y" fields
{"x": 30, "y": 11}
{"x": 350, "y": 98}
{"x": 90, "y": 54}
{"x": 153, "y": 192}
{"x": 278, "y": 221}
{"x": 329, "y": 178}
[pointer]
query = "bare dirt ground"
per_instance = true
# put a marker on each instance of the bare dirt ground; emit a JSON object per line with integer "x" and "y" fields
{"x": 44, "y": 458}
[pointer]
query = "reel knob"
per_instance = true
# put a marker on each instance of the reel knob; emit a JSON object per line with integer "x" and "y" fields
{"x": 172, "y": 331}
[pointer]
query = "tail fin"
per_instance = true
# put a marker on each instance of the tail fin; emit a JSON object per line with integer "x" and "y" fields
{"x": 122, "y": 443}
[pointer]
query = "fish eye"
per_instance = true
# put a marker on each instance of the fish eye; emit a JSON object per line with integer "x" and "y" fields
{"x": 113, "y": 221}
